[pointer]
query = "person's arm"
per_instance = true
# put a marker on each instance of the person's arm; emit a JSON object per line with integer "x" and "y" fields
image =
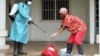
{"x": 60, "y": 30}
{"x": 14, "y": 9}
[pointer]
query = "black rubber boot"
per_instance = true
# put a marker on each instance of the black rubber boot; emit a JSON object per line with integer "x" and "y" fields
{"x": 20, "y": 49}
{"x": 15, "y": 49}
{"x": 69, "y": 48}
{"x": 80, "y": 49}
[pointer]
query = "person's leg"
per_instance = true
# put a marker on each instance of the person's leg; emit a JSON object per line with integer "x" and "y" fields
{"x": 15, "y": 49}
{"x": 80, "y": 49}
{"x": 69, "y": 48}
{"x": 70, "y": 43}
{"x": 78, "y": 41}
{"x": 20, "y": 49}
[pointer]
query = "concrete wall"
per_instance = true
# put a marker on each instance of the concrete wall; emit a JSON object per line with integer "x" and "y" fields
{"x": 49, "y": 26}
{"x": 92, "y": 21}
{"x": 80, "y": 9}
{"x": 87, "y": 39}
{"x": 77, "y": 7}
{"x": 8, "y": 22}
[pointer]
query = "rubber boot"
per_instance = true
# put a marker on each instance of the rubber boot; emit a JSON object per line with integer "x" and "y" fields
{"x": 15, "y": 49}
{"x": 69, "y": 49}
{"x": 20, "y": 49}
{"x": 80, "y": 50}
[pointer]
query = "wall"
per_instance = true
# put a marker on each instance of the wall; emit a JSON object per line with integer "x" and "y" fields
{"x": 87, "y": 39}
{"x": 92, "y": 21}
{"x": 81, "y": 8}
{"x": 49, "y": 26}
{"x": 8, "y": 21}
{"x": 77, "y": 7}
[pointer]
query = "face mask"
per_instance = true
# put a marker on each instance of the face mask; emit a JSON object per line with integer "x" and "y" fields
{"x": 29, "y": 2}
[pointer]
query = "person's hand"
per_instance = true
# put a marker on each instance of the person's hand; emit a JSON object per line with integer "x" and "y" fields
{"x": 53, "y": 35}
{"x": 30, "y": 22}
{"x": 12, "y": 17}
